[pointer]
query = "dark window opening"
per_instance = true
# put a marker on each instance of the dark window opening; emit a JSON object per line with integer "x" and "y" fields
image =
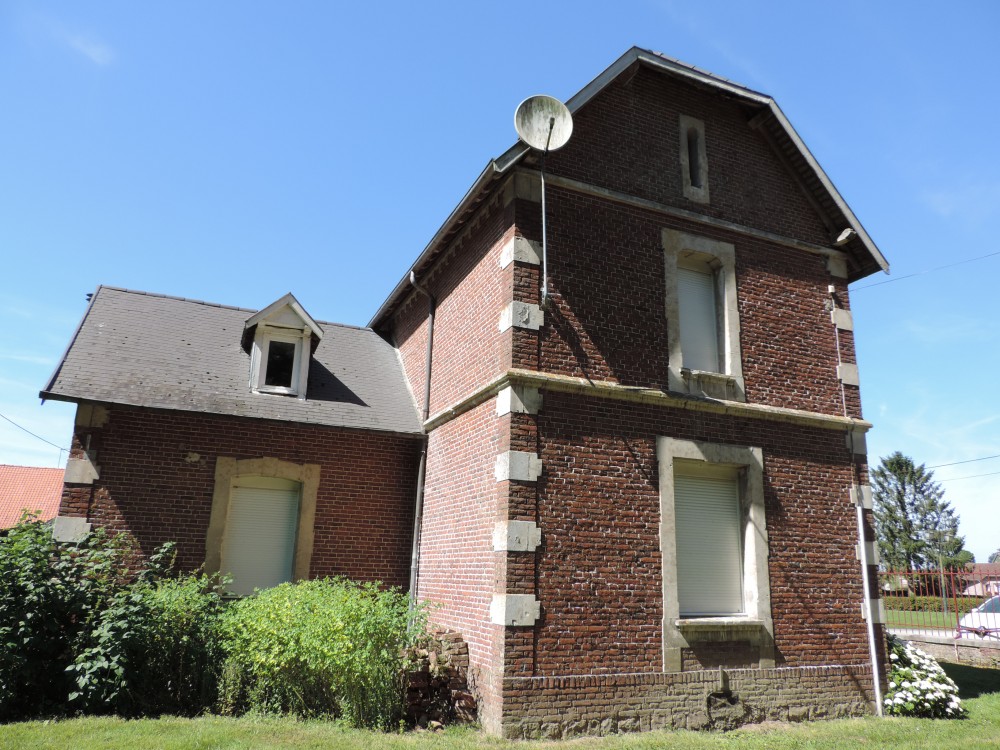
{"x": 280, "y": 363}
{"x": 694, "y": 158}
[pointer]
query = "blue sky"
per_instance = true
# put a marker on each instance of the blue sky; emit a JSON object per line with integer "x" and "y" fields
{"x": 234, "y": 152}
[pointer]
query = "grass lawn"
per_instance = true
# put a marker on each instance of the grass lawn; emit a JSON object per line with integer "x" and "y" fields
{"x": 980, "y": 689}
{"x": 932, "y": 620}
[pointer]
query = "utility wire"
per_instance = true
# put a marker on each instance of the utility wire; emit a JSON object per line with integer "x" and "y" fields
{"x": 973, "y": 476}
{"x": 25, "y": 429}
{"x": 929, "y": 270}
{"x": 967, "y": 461}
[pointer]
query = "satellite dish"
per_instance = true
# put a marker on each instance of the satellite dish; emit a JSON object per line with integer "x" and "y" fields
{"x": 544, "y": 123}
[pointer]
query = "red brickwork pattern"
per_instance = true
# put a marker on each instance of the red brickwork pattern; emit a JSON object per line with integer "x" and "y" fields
{"x": 471, "y": 291}
{"x": 627, "y": 139}
{"x": 600, "y": 577}
{"x": 458, "y": 567}
{"x": 158, "y": 476}
{"x": 607, "y": 320}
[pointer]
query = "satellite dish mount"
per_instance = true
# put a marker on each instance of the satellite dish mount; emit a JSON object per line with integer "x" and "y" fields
{"x": 545, "y": 124}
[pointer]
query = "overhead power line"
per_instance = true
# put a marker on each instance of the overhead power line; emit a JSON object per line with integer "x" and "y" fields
{"x": 973, "y": 476}
{"x": 929, "y": 270}
{"x": 25, "y": 429}
{"x": 966, "y": 461}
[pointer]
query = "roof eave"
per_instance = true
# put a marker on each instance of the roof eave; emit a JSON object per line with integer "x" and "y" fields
{"x": 46, "y": 391}
{"x": 491, "y": 171}
{"x": 828, "y": 185}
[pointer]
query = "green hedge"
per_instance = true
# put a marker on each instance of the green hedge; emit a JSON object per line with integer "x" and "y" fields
{"x": 327, "y": 647}
{"x": 931, "y": 603}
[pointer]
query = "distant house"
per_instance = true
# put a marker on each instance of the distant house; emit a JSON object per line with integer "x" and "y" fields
{"x": 638, "y": 497}
{"x": 982, "y": 579}
{"x": 28, "y": 488}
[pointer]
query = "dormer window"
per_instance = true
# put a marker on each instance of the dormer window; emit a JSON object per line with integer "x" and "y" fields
{"x": 283, "y": 335}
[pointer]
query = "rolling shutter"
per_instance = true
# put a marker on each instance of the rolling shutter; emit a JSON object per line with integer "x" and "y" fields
{"x": 709, "y": 552}
{"x": 698, "y": 319}
{"x": 259, "y": 545}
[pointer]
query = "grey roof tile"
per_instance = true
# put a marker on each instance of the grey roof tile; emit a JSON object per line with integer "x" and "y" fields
{"x": 172, "y": 353}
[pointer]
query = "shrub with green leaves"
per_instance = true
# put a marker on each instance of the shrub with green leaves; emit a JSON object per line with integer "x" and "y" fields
{"x": 327, "y": 647}
{"x": 153, "y": 650}
{"x": 83, "y": 629}
{"x": 918, "y": 686}
{"x": 50, "y": 596}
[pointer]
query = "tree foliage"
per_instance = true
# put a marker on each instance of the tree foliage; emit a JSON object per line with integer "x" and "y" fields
{"x": 995, "y": 557}
{"x": 915, "y": 526}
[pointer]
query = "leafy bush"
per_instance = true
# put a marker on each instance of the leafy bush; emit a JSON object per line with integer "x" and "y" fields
{"x": 323, "y": 647}
{"x": 49, "y": 597}
{"x": 918, "y": 686}
{"x": 931, "y": 603}
{"x": 81, "y": 628}
{"x": 153, "y": 650}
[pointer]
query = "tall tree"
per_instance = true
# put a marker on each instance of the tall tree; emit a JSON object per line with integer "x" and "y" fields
{"x": 915, "y": 526}
{"x": 995, "y": 557}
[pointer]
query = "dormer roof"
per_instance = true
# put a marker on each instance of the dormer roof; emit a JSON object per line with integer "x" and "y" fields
{"x": 285, "y": 312}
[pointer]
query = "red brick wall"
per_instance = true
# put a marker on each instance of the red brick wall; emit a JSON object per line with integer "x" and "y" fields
{"x": 153, "y": 486}
{"x": 600, "y": 577}
{"x": 607, "y": 319}
{"x": 627, "y": 139}
{"x": 458, "y": 567}
{"x": 471, "y": 290}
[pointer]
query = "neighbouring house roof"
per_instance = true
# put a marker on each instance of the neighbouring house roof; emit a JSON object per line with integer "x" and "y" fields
{"x": 768, "y": 118}
{"x": 28, "y": 488}
{"x": 151, "y": 350}
{"x": 985, "y": 569}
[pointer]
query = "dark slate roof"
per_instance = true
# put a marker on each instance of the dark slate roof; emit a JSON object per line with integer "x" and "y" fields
{"x": 172, "y": 353}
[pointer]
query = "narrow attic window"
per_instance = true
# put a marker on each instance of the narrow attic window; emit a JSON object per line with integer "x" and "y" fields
{"x": 694, "y": 161}
{"x": 283, "y": 336}
{"x": 694, "y": 157}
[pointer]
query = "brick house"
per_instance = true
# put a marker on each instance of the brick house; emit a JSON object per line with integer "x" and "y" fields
{"x": 638, "y": 500}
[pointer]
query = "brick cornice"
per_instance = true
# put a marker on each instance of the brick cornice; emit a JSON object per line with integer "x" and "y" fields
{"x": 634, "y": 394}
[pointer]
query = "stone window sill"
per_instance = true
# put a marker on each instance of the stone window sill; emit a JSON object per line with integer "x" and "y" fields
{"x": 718, "y": 385}
{"x": 727, "y": 625}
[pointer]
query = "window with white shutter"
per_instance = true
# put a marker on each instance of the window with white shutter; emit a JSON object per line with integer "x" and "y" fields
{"x": 708, "y": 525}
{"x": 703, "y": 319}
{"x": 699, "y": 321}
{"x": 713, "y": 541}
{"x": 258, "y": 548}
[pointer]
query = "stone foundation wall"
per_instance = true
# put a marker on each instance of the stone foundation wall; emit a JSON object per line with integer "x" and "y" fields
{"x": 564, "y": 707}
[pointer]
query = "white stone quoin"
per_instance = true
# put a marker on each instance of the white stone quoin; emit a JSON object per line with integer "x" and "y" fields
{"x": 521, "y": 250}
{"x": 842, "y": 319}
{"x": 519, "y": 399}
{"x": 516, "y": 536}
{"x": 848, "y": 374}
{"x": 518, "y": 465}
{"x": 521, "y": 315}
{"x": 516, "y": 610}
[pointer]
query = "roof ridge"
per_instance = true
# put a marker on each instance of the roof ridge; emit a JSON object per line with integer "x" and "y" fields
{"x": 703, "y": 72}
{"x": 23, "y": 466}
{"x": 176, "y": 298}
